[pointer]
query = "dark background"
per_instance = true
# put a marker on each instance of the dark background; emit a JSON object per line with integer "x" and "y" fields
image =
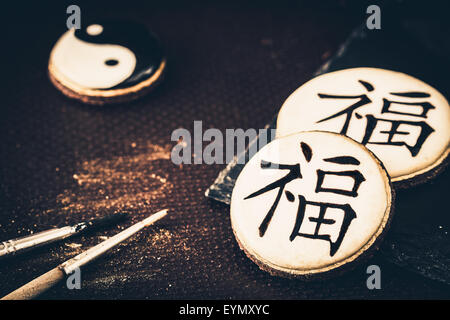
{"x": 231, "y": 65}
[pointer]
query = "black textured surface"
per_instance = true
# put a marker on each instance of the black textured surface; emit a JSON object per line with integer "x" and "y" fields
{"x": 229, "y": 65}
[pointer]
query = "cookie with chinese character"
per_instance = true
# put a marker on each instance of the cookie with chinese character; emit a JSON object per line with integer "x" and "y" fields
{"x": 403, "y": 120}
{"x": 311, "y": 204}
{"x": 106, "y": 62}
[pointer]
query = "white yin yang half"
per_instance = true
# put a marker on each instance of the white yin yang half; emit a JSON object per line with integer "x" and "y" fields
{"x": 83, "y": 64}
{"x": 419, "y": 114}
{"x": 301, "y": 252}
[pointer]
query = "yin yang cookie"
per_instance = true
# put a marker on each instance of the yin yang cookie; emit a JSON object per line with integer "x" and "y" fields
{"x": 106, "y": 62}
{"x": 401, "y": 119}
{"x": 311, "y": 205}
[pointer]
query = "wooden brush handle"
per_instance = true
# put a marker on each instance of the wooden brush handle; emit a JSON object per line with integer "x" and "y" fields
{"x": 37, "y": 286}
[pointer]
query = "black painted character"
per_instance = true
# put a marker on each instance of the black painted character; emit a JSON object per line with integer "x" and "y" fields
{"x": 295, "y": 173}
{"x": 394, "y": 132}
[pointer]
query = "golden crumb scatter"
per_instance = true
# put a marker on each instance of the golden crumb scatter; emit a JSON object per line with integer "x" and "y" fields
{"x": 122, "y": 183}
{"x": 74, "y": 245}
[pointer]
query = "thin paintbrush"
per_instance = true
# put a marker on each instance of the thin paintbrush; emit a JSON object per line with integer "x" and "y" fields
{"x": 19, "y": 245}
{"x": 49, "y": 279}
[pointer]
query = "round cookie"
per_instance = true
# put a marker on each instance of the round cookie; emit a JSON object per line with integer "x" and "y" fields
{"x": 403, "y": 120}
{"x": 310, "y": 205}
{"x": 106, "y": 62}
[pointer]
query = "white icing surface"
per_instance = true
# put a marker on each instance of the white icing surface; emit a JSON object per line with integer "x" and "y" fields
{"x": 94, "y": 29}
{"x": 304, "y": 108}
{"x": 274, "y": 248}
{"x": 83, "y": 63}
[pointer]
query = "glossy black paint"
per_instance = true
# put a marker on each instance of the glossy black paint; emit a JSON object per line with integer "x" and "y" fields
{"x": 134, "y": 36}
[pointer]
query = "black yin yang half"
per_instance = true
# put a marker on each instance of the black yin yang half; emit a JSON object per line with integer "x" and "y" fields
{"x": 134, "y": 36}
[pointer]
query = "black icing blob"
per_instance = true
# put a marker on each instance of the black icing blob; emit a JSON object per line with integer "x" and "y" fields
{"x": 134, "y": 36}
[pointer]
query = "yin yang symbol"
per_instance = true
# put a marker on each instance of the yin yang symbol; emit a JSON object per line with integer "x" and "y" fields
{"x": 106, "y": 55}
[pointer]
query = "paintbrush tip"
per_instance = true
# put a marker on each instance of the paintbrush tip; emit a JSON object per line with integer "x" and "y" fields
{"x": 108, "y": 219}
{"x": 123, "y": 214}
{"x": 154, "y": 217}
